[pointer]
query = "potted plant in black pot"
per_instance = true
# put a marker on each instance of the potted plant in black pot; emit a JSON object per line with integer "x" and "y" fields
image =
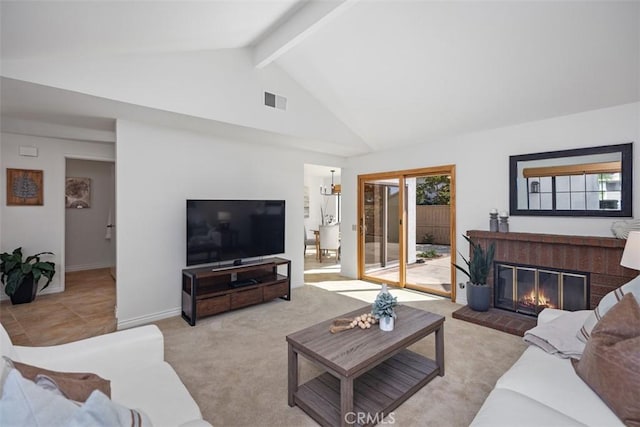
{"x": 21, "y": 277}
{"x": 478, "y": 292}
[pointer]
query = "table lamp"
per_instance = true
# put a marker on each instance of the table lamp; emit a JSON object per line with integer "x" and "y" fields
{"x": 631, "y": 254}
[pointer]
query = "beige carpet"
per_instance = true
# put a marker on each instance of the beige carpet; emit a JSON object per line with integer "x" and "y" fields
{"x": 235, "y": 364}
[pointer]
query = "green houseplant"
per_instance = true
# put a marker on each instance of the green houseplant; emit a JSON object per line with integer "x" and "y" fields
{"x": 478, "y": 267}
{"x": 383, "y": 309}
{"x": 21, "y": 277}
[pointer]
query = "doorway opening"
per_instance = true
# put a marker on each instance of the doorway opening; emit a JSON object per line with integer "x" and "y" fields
{"x": 89, "y": 214}
{"x": 322, "y": 214}
{"x": 407, "y": 229}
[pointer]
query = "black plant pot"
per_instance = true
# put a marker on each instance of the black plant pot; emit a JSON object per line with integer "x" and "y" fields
{"x": 478, "y": 297}
{"x": 26, "y": 292}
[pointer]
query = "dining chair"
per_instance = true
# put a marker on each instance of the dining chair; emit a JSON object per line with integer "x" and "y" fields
{"x": 330, "y": 239}
{"x": 308, "y": 240}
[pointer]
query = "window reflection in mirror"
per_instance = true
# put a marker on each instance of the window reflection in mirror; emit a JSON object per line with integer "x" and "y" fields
{"x": 592, "y": 182}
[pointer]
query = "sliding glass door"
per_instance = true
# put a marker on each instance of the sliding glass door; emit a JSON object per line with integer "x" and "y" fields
{"x": 407, "y": 229}
{"x": 428, "y": 261}
{"x": 381, "y": 230}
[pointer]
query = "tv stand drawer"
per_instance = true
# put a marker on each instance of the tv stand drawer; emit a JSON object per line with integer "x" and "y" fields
{"x": 214, "y": 305}
{"x": 275, "y": 290}
{"x": 246, "y": 297}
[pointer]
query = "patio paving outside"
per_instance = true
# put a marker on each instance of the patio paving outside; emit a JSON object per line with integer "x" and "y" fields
{"x": 434, "y": 273}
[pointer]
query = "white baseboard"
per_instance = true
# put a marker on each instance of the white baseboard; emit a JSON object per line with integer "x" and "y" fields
{"x": 148, "y": 318}
{"x": 82, "y": 267}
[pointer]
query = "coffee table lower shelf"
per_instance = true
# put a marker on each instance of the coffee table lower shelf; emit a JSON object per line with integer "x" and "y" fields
{"x": 376, "y": 393}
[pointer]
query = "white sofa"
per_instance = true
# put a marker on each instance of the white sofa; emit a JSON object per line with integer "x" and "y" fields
{"x": 133, "y": 360}
{"x": 541, "y": 389}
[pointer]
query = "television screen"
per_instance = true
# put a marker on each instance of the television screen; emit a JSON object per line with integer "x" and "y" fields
{"x": 223, "y": 230}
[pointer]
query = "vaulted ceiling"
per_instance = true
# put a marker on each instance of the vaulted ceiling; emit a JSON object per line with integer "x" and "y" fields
{"x": 394, "y": 72}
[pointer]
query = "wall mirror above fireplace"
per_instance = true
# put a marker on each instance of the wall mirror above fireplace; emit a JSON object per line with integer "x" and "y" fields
{"x": 594, "y": 181}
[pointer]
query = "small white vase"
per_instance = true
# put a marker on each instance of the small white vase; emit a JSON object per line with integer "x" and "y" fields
{"x": 386, "y": 323}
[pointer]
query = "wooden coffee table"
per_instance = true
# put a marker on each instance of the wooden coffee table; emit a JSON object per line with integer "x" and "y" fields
{"x": 369, "y": 372}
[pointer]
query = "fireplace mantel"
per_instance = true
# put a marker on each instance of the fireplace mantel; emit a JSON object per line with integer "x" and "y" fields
{"x": 605, "y": 242}
{"x": 599, "y": 256}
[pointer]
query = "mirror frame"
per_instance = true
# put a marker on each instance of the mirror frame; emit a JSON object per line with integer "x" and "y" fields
{"x": 626, "y": 208}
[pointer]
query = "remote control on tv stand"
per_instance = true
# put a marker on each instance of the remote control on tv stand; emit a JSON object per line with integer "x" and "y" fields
{"x": 245, "y": 282}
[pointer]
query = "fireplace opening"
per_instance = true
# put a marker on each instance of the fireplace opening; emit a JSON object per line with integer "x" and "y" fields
{"x": 530, "y": 289}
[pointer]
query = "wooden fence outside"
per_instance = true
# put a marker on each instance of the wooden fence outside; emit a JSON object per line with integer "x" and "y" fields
{"x": 433, "y": 221}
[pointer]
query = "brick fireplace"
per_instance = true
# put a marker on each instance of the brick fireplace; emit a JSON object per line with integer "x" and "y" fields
{"x": 597, "y": 258}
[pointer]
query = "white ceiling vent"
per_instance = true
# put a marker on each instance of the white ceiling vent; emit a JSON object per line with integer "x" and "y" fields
{"x": 275, "y": 101}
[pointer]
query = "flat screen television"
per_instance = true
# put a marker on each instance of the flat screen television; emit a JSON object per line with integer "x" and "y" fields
{"x": 225, "y": 230}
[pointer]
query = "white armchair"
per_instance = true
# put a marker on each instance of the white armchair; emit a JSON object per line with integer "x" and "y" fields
{"x": 330, "y": 239}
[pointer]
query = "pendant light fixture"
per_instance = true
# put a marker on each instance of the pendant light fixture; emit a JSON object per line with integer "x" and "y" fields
{"x": 334, "y": 190}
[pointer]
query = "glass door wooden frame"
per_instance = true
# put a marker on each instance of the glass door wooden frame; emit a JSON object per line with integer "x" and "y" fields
{"x": 401, "y": 176}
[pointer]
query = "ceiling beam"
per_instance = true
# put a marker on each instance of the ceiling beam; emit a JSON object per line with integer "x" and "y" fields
{"x": 307, "y": 19}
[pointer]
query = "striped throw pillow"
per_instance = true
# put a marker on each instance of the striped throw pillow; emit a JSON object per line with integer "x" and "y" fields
{"x": 608, "y": 301}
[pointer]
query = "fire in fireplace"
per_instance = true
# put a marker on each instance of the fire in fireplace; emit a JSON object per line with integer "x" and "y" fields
{"x": 533, "y": 300}
{"x": 529, "y": 290}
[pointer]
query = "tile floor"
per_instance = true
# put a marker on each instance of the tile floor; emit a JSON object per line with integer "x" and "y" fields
{"x": 84, "y": 309}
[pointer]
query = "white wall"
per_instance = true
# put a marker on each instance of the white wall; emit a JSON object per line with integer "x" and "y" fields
{"x": 482, "y": 172}
{"x": 157, "y": 170}
{"x": 85, "y": 230}
{"x": 41, "y": 228}
{"x": 411, "y": 185}
{"x": 222, "y": 85}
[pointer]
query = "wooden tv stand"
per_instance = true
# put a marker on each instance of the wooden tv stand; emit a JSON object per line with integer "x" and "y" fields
{"x": 212, "y": 290}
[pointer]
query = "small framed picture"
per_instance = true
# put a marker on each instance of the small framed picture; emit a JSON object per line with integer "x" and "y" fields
{"x": 77, "y": 193}
{"x": 24, "y": 187}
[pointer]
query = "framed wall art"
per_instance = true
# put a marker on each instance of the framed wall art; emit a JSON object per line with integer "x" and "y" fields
{"x": 24, "y": 187}
{"x": 77, "y": 193}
